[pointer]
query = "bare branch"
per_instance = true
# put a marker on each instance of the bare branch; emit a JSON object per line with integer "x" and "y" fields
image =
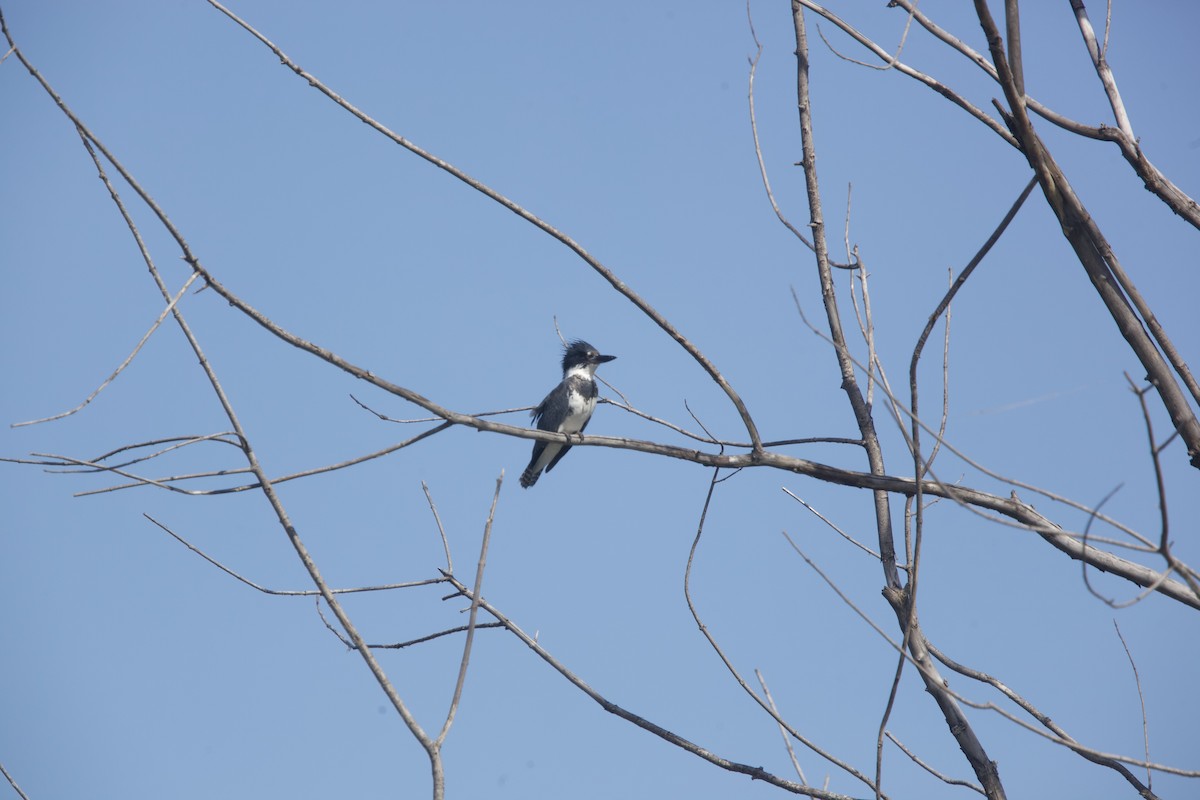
{"x": 441, "y": 530}
{"x": 1057, "y": 733}
{"x": 1164, "y": 542}
{"x": 128, "y": 360}
{"x": 755, "y": 773}
{"x": 286, "y": 592}
{"x": 1025, "y": 516}
{"x": 828, "y": 522}
{"x": 1012, "y": 23}
{"x": 1100, "y": 62}
{"x": 385, "y": 418}
{"x": 512, "y": 206}
{"x": 762, "y": 167}
{"x": 474, "y": 613}
{"x": 944, "y": 778}
{"x": 1141, "y": 700}
{"x": 787, "y": 741}
{"x": 892, "y": 60}
{"x": 432, "y": 636}
{"x": 7, "y": 777}
{"x": 958, "y": 284}
{"x": 244, "y": 470}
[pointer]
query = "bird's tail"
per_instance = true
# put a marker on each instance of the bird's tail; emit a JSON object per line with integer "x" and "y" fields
{"x": 530, "y": 476}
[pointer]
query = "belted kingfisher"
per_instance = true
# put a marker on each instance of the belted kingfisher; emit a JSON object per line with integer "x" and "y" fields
{"x": 567, "y": 409}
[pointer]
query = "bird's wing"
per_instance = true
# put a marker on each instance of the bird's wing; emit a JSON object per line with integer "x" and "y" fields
{"x": 538, "y": 412}
{"x": 542, "y": 423}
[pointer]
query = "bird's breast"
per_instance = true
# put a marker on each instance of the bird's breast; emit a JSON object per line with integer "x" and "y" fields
{"x": 579, "y": 410}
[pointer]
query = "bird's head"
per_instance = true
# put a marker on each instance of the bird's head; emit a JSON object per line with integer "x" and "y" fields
{"x": 582, "y": 357}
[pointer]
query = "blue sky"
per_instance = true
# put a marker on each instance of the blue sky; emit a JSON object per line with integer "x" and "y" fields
{"x": 135, "y": 669}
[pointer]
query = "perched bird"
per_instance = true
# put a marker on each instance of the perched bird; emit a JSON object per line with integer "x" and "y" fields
{"x": 567, "y": 409}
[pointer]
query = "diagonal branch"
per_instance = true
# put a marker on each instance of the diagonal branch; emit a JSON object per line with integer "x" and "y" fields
{"x": 755, "y": 773}
{"x": 474, "y": 615}
{"x": 128, "y": 360}
{"x": 521, "y": 212}
{"x": 286, "y": 592}
{"x": 1112, "y": 284}
{"x": 1060, "y": 734}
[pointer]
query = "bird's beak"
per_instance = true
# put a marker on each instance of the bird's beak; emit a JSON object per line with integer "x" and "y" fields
{"x": 602, "y": 359}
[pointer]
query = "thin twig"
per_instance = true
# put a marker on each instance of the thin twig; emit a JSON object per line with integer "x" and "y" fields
{"x": 475, "y": 597}
{"x": 920, "y": 763}
{"x": 890, "y": 62}
{"x": 945, "y": 418}
{"x": 128, "y": 360}
{"x": 385, "y": 418}
{"x": 281, "y": 479}
{"x": 762, "y": 167}
{"x": 432, "y": 636}
{"x": 441, "y": 530}
{"x": 787, "y": 740}
{"x": 1164, "y": 541}
{"x": 287, "y": 592}
{"x": 1084, "y": 543}
{"x": 1142, "y": 700}
{"x": 831, "y": 524}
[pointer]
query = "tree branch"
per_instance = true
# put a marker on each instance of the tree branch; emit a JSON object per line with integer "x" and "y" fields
{"x": 1113, "y": 286}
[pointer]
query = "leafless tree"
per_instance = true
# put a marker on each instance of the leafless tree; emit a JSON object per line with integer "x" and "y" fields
{"x": 902, "y": 481}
